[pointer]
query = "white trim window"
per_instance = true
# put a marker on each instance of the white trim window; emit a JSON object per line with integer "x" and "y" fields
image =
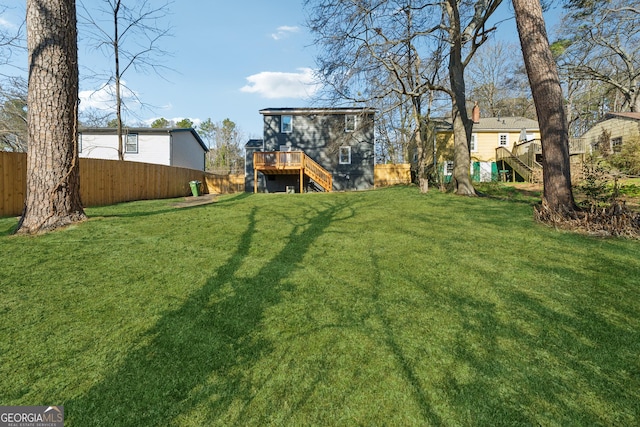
{"x": 286, "y": 124}
{"x": 503, "y": 140}
{"x": 349, "y": 123}
{"x": 448, "y": 168}
{"x": 616, "y": 144}
{"x": 344, "y": 157}
{"x": 473, "y": 143}
{"x": 131, "y": 143}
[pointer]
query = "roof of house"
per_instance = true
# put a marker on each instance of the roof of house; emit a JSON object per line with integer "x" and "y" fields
{"x": 148, "y": 131}
{"x": 254, "y": 143}
{"x": 306, "y": 111}
{"x": 494, "y": 124}
{"x": 505, "y": 123}
{"x": 634, "y": 116}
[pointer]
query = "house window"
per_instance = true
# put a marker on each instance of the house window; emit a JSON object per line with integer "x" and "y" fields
{"x": 503, "y": 139}
{"x": 79, "y": 143}
{"x": 286, "y": 124}
{"x": 131, "y": 145}
{"x": 448, "y": 168}
{"x": 473, "y": 144}
{"x": 616, "y": 144}
{"x": 345, "y": 156}
{"x": 285, "y": 148}
{"x": 349, "y": 123}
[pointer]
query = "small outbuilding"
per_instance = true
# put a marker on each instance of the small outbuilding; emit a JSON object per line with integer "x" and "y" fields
{"x": 180, "y": 147}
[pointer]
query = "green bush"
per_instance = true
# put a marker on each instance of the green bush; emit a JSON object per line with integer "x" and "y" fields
{"x": 628, "y": 159}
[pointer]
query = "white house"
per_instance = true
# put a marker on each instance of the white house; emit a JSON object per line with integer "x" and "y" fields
{"x": 165, "y": 146}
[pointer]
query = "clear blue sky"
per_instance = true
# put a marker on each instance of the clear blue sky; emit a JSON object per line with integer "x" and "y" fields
{"x": 229, "y": 60}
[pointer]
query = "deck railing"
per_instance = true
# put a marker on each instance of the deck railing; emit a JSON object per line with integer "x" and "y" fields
{"x": 518, "y": 165}
{"x": 278, "y": 159}
{"x": 576, "y": 146}
{"x": 290, "y": 161}
{"x": 318, "y": 173}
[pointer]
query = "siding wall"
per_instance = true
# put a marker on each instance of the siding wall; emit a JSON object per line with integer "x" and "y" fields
{"x": 186, "y": 152}
{"x": 320, "y": 137}
{"x": 151, "y": 148}
{"x": 486, "y": 144}
{"x": 619, "y": 127}
{"x": 178, "y": 148}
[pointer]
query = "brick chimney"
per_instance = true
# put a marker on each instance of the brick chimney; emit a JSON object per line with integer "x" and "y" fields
{"x": 475, "y": 113}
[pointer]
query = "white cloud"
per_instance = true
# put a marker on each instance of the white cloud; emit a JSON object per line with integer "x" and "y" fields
{"x": 284, "y": 32}
{"x": 105, "y": 98}
{"x": 273, "y": 84}
{"x": 7, "y": 24}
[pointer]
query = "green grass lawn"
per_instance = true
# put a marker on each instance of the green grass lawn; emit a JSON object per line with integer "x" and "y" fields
{"x": 385, "y": 307}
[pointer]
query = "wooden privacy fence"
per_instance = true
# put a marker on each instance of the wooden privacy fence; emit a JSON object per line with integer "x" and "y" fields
{"x": 106, "y": 182}
{"x": 224, "y": 184}
{"x": 13, "y": 182}
{"x": 386, "y": 175}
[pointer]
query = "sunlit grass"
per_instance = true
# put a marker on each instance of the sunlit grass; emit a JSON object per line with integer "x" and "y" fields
{"x": 385, "y": 307}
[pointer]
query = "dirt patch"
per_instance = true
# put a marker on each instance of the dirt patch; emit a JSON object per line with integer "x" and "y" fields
{"x": 196, "y": 201}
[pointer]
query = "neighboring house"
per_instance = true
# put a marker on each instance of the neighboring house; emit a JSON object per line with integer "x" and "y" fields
{"x": 307, "y": 149}
{"x": 616, "y": 128}
{"x": 165, "y": 146}
{"x": 488, "y": 134}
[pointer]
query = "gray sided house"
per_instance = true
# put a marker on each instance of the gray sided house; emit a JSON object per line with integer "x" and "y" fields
{"x": 312, "y": 149}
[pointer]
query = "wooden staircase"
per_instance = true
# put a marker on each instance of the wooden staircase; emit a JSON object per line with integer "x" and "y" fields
{"x": 529, "y": 172}
{"x": 290, "y": 163}
{"x": 523, "y": 158}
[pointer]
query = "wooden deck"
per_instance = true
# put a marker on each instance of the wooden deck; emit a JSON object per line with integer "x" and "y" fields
{"x": 523, "y": 157}
{"x": 290, "y": 163}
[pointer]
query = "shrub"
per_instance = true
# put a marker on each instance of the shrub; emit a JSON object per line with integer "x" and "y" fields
{"x": 628, "y": 159}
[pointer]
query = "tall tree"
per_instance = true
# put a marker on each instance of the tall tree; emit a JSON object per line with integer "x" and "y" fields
{"x": 53, "y": 181}
{"x": 132, "y": 38}
{"x": 226, "y": 155}
{"x": 207, "y": 130}
{"x": 185, "y": 123}
{"x": 465, "y": 28}
{"x": 160, "y": 123}
{"x": 381, "y": 52}
{"x": 498, "y": 82}
{"x": 549, "y": 101}
{"x": 394, "y": 49}
{"x": 11, "y": 39}
{"x": 602, "y": 44}
{"x": 13, "y": 115}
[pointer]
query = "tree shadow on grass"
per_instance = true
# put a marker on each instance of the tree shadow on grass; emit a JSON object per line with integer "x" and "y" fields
{"x": 542, "y": 366}
{"x": 199, "y": 354}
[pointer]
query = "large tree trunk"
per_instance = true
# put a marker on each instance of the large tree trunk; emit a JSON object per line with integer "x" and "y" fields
{"x": 116, "y": 55}
{"x": 548, "y": 99}
{"x": 53, "y": 184}
{"x": 461, "y": 123}
{"x": 423, "y": 180}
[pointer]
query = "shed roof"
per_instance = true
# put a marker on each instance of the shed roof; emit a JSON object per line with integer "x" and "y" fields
{"x": 634, "y": 116}
{"x": 254, "y": 143}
